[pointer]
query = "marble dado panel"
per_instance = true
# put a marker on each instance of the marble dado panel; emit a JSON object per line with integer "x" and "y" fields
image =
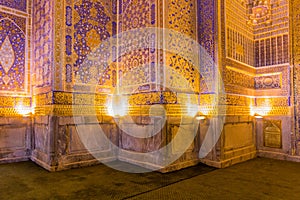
{"x": 238, "y": 135}
{"x": 272, "y": 133}
{"x": 15, "y": 138}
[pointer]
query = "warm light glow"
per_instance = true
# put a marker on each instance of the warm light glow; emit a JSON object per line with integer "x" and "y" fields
{"x": 23, "y": 110}
{"x": 200, "y": 118}
{"x": 117, "y": 106}
{"x": 261, "y": 110}
{"x": 192, "y": 110}
{"x": 206, "y": 110}
{"x": 258, "y": 116}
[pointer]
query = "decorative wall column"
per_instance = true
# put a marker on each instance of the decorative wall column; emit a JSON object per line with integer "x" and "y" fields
{"x": 82, "y": 64}
{"x": 71, "y": 87}
{"x": 159, "y": 82}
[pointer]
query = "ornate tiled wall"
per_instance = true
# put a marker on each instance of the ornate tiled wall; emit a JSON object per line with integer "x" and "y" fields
{"x": 20, "y": 5}
{"x": 15, "y": 38}
{"x": 272, "y": 53}
{"x": 207, "y": 35}
{"x": 272, "y": 39}
{"x": 255, "y": 41}
{"x": 237, "y": 43}
{"x": 15, "y": 79}
{"x": 72, "y": 64}
{"x": 75, "y": 49}
{"x": 295, "y": 62}
{"x": 239, "y": 36}
{"x": 182, "y": 72}
{"x": 138, "y": 68}
{"x": 43, "y": 45}
{"x": 82, "y": 27}
{"x": 15, "y": 51}
{"x": 82, "y": 51}
{"x": 250, "y": 87}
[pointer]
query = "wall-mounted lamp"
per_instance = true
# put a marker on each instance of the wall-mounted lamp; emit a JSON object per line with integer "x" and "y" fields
{"x": 117, "y": 106}
{"x": 200, "y": 116}
{"x": 24, "y": 110}
{"x": 257, "y": 116}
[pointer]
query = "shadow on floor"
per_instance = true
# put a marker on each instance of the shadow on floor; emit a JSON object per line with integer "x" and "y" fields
{"x": 259, "y": 178}
{"x": 26, "y": 180}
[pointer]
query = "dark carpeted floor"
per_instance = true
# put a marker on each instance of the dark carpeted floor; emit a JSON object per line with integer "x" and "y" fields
{"x": 256, "y": 179}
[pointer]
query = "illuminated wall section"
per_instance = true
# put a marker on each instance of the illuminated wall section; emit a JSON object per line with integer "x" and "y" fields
{"x": 181, "y": 74}
{"x": 294, "y": 8}
{"x": 238, "y": 73}
{"x": 239, "y": 36}
{"x": 81, "y": 63}
{"x": 235, "y": 60}
{"x": 273, "y": 81}
{"x": 82, "y": 54}
{"x": 238, "y": 139}
{"x": 207, "y": 34}
{"x": 256, "y": 76}
{"x": 74, "y": 73}
{"x": 43, "y": 46}
{"x": 138, "y": 65}
{"x": 152, "y": 72}
{"x": 43, "y": 68}
{"x": 15, "y": 35}
{"x": 15, "y": 79}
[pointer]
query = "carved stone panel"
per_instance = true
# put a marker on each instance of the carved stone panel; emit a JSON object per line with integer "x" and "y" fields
{"x": 272, "y": 133}
{"x": 238, "y": 135}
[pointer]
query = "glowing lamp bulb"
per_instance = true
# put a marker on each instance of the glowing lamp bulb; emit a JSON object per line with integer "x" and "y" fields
{"x": 117, "y": 106}
{"x": 199, "y": 118}
{"x": 23, "y": 110}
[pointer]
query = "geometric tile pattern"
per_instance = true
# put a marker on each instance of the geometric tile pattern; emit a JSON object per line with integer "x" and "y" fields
{"x": 42, "y": 38}
{"x": 137, "y": 73}
{"x": 86, "y": 28}
{"x": 12, "y": 56}
{"x": 90, "y": 23}
{"x": 7, "y": 53}
{"x": 15, "y": 4}
{"x": 182, "y": 73}
{"x": 206, "y": 25}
